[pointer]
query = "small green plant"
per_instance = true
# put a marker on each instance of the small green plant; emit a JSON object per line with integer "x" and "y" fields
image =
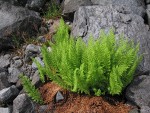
{"x": 30, "y": 89}
{"x": 101, "y": 66}
{"x": 16, "y": 41}
{"x": 53, "y": 11}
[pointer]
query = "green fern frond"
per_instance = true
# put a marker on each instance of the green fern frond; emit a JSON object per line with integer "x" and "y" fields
{"x": 104, "y": 65}
{"x": 30, "y": 89}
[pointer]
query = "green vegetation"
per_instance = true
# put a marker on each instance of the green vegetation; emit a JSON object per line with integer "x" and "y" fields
{"x": 102, "y": 66}
{"x": 30, "y": 89}
{"x": 16, "y": 41}
{"x": 53, "y": 11}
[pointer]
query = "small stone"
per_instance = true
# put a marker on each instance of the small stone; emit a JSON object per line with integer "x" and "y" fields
{"x": 34, "y": 66}
{"x": 41, "y": 39}
{"x": 68, "y": 23}
{"x": 49, "y": 49}
{"x": 8, "y": 94}
{"x": 18, "y": 63}
{"x": 32, "y": 48}
{"x": 29, "y": 56}
{"x": 14, "y": 74}
{"x": 27, "y": 70}
{"x": 36, "y": 79}
{"x": 16, "y": 58}
{"x": 4, "y": 61}
{"x": 31, "y": 52}
{"x": 22, "y": 104}
{"x": 59, "y": 96}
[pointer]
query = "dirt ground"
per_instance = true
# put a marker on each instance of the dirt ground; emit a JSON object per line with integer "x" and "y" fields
{"x": 77, "y": 103}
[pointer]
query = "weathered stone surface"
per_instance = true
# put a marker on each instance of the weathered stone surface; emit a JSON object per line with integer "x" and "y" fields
{"x": 137, "y": 6}
{"x": 145, "y": 109}
{"x": 5, "y": 110}
{"x": 4, "y": 61}
{"x": 36, "y": 79}
{"x": 27, "y": 70}
{"x": 22, "y": 104}
{"x": 16, "y": 62}
{"x": 31, "y": 52}
{"x": 34, "y": 66}
{"x": 8, "y": 94}
{"x": 90, "y": 19}
{"x": 14, "y": 74}
{"x": 16, "y": 2}
{"x": 42, "y": 109}
{"x": 147, "y": 1}
{"x": 148, "y": 14}
{"x": 72, "y": 5}
{"x": 138, "y": 91}
{"x": 35, "y": 4}
{"x": 3, "y": 79}
{"x": 59, "y": 96}
{"x": 16, "y": 22}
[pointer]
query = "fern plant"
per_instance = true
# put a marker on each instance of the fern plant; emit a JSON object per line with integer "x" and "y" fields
{"x": 30, "y": 89}
{"x": 105, "y": 65}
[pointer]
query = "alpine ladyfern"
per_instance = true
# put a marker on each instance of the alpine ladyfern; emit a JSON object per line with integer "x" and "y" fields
{"x": 105, "y": 65}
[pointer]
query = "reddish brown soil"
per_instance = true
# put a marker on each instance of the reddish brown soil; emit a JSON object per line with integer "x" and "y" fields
{"x": 77, "y": 103}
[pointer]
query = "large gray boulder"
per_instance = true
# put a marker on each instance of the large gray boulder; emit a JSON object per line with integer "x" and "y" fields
{"x": 90, "y": 19}
{"x": 71, "y": 6}
{"x": 16, "y": 23}
{"x": 16, "y": 2}
{"x": 137, "y": 6}
{"x": 138, "y": 93}
{"x": 35, "y": 4}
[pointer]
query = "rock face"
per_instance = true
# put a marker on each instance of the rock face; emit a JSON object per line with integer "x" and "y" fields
{"x": 138, "y": 93}
{"x": 90, "y": 19}
{"x": 22, "y": 104}
{"x": 16, "y": 22}
{"x": 137, "y": 6}
{"x": 72, "y": 5}
{"x": 16, "y": 2}
{"x": 3, "y": 79}
{"x": 35, "y": 4}
{"x": 5, "y": 110}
